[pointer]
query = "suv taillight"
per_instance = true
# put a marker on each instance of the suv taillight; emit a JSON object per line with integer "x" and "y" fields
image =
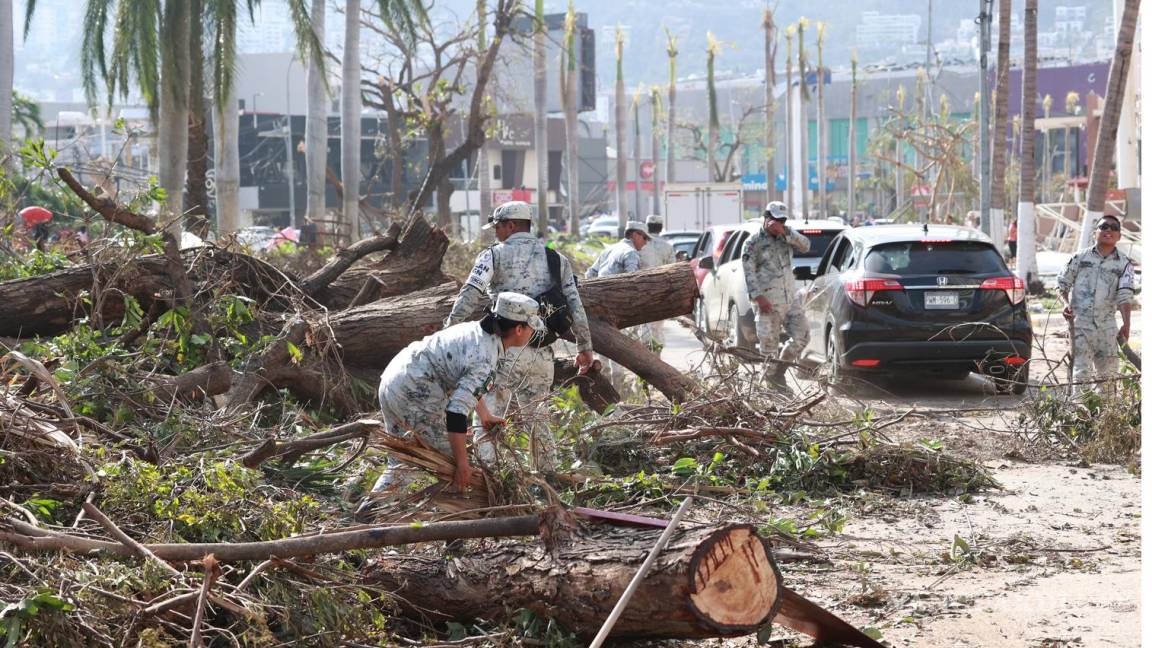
{"x": 860, "y": 291}
{"x": 1012, "y": 286}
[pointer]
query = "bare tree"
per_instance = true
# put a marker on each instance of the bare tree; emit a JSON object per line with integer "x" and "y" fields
{"x": 821, "y": 124}
{"x": 316, "y": 126}
{"x": 655, "y": 104}
{"x": 769, "y": 104}
{"x": 540, "y": 117}
{"x": 852, "y": 141}
{"x": 725, "y": 155}
{"x": 569, "y": 92}
{"x": 713, "y": 112}
{"x": 621, "y": 158}
{"x": 350, "y": 109}
{"x": 670, "y": 129}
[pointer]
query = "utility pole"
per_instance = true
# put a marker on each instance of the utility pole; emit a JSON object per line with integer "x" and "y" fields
{"x": 985, "y": 22}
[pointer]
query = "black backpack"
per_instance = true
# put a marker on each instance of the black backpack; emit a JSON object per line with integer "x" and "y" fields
{"x": 553, "y": 304}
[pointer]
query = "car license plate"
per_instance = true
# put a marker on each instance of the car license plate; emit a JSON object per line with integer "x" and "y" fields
{"x": 943, "y": 299}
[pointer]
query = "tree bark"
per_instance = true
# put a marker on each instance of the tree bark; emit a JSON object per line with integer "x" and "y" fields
{"x": 708, "y": 582}
{"x": 1026, "y": 267}
{"x": 209, "y": 380}
{"x": 769, "y": 105}
{"x": 196, "y": 205}
{"x": 316, "y": 125}
{"x": 621, "y": 158}
{"x": 172, "y": 133}
{"x": 226, "y": 143}
{"x": 540, "y": 117}
{"x": 350, "y": 121}
{"x": 1000, "y": 129}
{"x": 7, "y": 71}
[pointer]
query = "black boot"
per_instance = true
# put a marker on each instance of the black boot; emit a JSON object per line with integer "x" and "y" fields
{"x": 778, "y": 380}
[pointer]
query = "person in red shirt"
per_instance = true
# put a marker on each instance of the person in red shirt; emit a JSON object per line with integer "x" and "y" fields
{"x": 1012, "y": 240}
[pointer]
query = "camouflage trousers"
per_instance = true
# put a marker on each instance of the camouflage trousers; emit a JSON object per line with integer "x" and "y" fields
{"x": 1094, "y": 354}
{"x": 792, "y": 321}
{"x": 530, "y": 379}
{"x": 408, "y": 417}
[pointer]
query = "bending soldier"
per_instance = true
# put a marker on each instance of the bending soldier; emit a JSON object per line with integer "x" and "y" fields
{"x": 767, "y": 262}
{"x": 521, "y": 263}
{"x": 623, "y": 255}
{"x": 431, "y": 387}
{"x": 1096, "y": 283}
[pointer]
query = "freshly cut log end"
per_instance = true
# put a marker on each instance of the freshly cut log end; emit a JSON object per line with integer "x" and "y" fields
{"x": 735, "y": 583}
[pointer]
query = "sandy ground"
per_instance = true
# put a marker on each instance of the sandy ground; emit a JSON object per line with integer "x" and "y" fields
{"x": 1052, "y": 560}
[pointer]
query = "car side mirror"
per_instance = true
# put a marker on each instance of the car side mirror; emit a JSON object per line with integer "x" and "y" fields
{"x": 681, "y": 256}
{"x": 803, "y": 273}
{"x": 708, "y": 263}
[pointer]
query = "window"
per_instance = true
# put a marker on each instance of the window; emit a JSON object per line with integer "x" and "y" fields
{"x": 734, "y": 248}
{"x": 703, "y": 246}
{"x": 931, "y": 258}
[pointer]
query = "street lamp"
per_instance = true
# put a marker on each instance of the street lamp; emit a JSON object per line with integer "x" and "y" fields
{"x": 258, "y": 94}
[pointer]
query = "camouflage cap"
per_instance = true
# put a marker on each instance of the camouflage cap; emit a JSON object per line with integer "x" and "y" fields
{"x": 514, "y": 210}
{"x": 635, "y": 226}
{"x": 519, "y": 308}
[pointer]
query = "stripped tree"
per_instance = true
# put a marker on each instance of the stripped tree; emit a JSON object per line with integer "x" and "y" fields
{"x": 1026, "y": 267}
{"x": 995, "y": 225}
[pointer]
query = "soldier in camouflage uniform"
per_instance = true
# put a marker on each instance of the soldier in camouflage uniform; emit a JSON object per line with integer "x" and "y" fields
{"x": 431, "y": 387}
{"x": 657, "y": 252}
{"x": 1096, "y": 283}
{"x": 623, "y": 255}
{"x": 518, "y": 264}
{"x": 767, "y": 262}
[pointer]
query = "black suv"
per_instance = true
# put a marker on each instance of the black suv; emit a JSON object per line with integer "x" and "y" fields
{"x": 919, "y": 299}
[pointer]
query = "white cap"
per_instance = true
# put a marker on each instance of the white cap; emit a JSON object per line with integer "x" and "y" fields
{"x": 519, "y": 308}
{"x": 636, "y": 226}
{"x": 514, "y": 210}
{"x": 654, "y": 219}
{"x": 776, "y": 211}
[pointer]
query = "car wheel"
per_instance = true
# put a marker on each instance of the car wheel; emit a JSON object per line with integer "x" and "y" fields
{"x": 1016, "y": 383}
{"x": 700, "y": 314}
{"x": 735, "y": 336}
{"x": 832, "y": 357}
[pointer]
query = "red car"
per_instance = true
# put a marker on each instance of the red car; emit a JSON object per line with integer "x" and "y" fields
{"x": 711, "y": 243}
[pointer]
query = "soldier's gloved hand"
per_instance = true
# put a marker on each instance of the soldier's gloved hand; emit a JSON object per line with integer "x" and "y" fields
{"x": 764, "y": 304}
{"x": 584, "y": 361}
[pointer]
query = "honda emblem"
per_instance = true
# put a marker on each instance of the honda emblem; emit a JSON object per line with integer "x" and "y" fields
{"x": 941, "y": 281}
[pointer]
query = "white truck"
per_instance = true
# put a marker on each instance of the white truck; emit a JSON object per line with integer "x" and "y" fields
{"x": 696, "y": 206}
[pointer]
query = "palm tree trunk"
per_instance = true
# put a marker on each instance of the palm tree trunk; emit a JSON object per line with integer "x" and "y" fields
{"x": 1000, "y": 127}
{"x": 7, "y": 70}
{"x": 568, "y": 69}
{"x": 789, "y": 140}
{"x": 227, "y": 148}
{"x": 769, "y": 106}
{"x": 636, "y": 195}
{"x": 482, "y": 152}
{"x": 803, "y": 112}
{"x": 621, "y": 118}
{"x": 821, "y": 125}
{"x": 852, "y": 143}
{"x": 316, "y": 124}
{"x": 713, "y": 112}
{"x": 1026, "y": 267}
{"x": 172, "y": 132}
{"x": 1113, "y": 103}
{"x": 197, "y": 206}
{"x": 670, "y": 129}
{"x": 350, "y": 120}
{"x": 540, "y": 108}
{"x": 655, "y": 105}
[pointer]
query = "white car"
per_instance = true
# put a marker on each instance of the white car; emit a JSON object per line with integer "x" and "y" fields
{"x": 724, "y": 304}
{"x": 604, "y": 227}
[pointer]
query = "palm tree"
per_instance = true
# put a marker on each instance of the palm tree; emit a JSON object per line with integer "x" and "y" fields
{"x": 7, "y": 69}
{"x": 1071, "y": 104}
{"x": 540, "y": 117}
{"x": 1113, "y": 103}
{"x": 995, "y": 226}
{"x": 568, "y": 89}
{"x": 196, "y": 202}
{"x": 172, "y": 135}
{"x": 670, "y": 129}
{"x": 789, "y": 115}
{"x": 769, "y": 104}
{"x": 350, "y": 109}
{"x": 621, "y": 159}
{"x": 655, "y": 104}
{"x": 713, "y": 113}
{"x": 636, "y": 200}
{"x": 1026, "y": 267}
{"x": 316, "y": 124}
{"x": 802, "y": 62}
{"x": 1046, "y": 171}
{"x": 482, "y": 152}
{"x": 821, "y": 126}
{"x": 852, "y": 141}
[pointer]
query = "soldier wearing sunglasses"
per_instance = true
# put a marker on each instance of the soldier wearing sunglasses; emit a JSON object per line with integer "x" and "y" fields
{"x": 1097, "y": 282}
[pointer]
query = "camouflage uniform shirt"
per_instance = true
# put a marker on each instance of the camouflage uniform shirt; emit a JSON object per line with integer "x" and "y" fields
{"x": 447, "y": 371}
{"x": 520, "y": 265}
{"x": 768, "y": 264}
{"x": 616, "y": 259}
{"x": 658, "y": 252}
{"x": 1096, "y": 285}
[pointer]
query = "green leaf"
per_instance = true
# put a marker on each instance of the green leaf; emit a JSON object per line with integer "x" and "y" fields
{"x": 873, "y": 633}
{"x": 294, "y": 351}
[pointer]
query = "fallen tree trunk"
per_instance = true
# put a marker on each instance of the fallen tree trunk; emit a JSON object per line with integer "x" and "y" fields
{"x": 707, "y": 582}
{"x": 209, "y": 380}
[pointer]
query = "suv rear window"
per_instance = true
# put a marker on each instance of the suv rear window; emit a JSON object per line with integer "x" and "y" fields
{"x": 819, "y": 239}
{"x": 926, "y": 258}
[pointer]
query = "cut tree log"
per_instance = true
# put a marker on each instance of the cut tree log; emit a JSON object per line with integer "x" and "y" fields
{"x": 707, "y": 582}
{"x": 209, "y": 380}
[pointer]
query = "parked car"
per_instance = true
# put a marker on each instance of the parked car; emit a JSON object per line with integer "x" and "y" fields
{"x": 918, "y": 299}
{"x": 604, "y": 227}
{"x": 257, "y": 237}
{"x": 723, "y": 303}
{"x": 682, "y": 240}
